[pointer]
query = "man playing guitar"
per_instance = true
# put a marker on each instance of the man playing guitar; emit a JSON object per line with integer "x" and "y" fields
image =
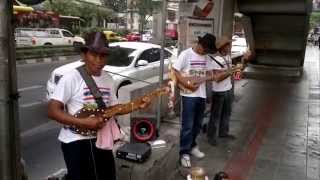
{"x": 84, "y": 159}
{"x": 192, "y": 62}
{"x": 222, "y": 92}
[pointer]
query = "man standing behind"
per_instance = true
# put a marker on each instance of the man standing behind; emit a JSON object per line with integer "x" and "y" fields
{"x": 221, "y": 94}
{"x": 192, "y": 62}
{"x": 83, "y": 159}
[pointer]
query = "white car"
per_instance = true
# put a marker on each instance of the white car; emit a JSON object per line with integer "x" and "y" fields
{"x": 45, "y": 36}
{"x": 128, "y": 63}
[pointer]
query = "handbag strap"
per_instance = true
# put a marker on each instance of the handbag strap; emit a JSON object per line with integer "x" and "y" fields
{"x": 92, "y": 86}
{"x": 216, "y": 61}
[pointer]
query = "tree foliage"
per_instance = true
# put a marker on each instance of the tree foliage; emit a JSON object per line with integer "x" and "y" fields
{"x": 116, "y": 5}
{"x": 145, "y": 9}
{"x": 86, "y": 11}
{"x": 314, "y": 19}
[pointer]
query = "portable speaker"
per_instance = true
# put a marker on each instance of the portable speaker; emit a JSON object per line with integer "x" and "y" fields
{"x": 143, "y": 128}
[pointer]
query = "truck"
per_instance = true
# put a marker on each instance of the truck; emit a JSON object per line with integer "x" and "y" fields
{"x": 46, "y": 37}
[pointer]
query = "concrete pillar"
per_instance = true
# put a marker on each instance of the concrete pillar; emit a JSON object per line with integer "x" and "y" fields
{"x": 224, "y": 10}
{"x": 9, "y": 132}
{"x": 156, "y": 28}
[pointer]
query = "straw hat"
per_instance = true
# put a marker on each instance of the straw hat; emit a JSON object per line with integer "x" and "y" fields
{"x": 223, "y": 41}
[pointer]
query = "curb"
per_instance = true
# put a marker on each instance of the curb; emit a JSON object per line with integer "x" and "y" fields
{"x": 47, "y": 59}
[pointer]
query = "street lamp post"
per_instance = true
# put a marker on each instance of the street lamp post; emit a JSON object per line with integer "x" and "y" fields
{"x": 9, "y": 129}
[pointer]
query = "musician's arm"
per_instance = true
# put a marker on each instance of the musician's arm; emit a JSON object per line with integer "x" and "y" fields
{"x": 180, "y": 79}
{"x": 218, "y": 75}
{"x": 222, "y": 75}
{"x": 57, "y": 113}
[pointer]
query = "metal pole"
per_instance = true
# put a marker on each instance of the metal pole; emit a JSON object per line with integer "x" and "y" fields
{"x": 10, "y": 168}
{"x": 163, "y": 41}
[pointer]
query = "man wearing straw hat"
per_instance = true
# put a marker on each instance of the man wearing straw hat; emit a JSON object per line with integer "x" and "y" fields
{"x": 221, "y": 94}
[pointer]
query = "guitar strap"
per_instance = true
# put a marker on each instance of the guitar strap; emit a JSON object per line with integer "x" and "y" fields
{"x": 216, "y": 61}
{"x": 92, "y": 86}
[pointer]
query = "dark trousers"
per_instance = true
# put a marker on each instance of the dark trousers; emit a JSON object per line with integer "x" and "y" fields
{"x": 86, "y": 162}
{"x": 220, "y": 114}
{"x": 192, "y": 116}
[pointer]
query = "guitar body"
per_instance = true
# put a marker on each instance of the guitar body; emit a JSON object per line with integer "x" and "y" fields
{"x": 111, "y": 111}
{"x": 83, "y": 113}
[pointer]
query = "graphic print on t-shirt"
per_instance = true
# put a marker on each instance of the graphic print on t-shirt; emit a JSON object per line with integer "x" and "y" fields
{"x": 197, "y": 68}
{"x": 89, "y": 100}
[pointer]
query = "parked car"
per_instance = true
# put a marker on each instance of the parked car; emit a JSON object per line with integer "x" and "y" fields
{"x": 45, "y": 36}
{"x": 127, "y": 63}
{"x": 113, "y": 37}
{"x": 134, "y": 36}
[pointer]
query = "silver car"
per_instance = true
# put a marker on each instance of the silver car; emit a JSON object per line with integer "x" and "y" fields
{"x": 129, "y": 62}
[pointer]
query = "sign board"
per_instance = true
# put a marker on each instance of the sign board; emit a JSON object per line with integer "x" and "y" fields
{"x": 197, "y": 8}
{"x": 191, "y": 28}
{"x": 195, "y": 19}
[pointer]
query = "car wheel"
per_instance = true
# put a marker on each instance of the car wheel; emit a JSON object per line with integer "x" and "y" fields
{"x": 77, "y": 44}
{"x": 47, "y": 44}
{"x": 121, "y": 85}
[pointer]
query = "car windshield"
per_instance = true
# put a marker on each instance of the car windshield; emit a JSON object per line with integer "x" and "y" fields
{"x": 120, "y": 56}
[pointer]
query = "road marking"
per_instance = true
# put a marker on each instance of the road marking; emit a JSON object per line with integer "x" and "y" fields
{"x": 30, "y": 104}
{"x": 30, "y": 88}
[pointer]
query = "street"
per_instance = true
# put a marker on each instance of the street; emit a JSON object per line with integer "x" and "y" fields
{"x": 38, "y": 134}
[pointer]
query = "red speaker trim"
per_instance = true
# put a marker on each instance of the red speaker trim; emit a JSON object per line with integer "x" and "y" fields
{"x": 134, "y": 130}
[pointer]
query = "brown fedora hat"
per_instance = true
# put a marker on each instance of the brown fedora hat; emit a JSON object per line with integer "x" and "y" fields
{"x": 95, "y": 42}
{"x": 208, "y": 42}
{"x": 223, "y": 41}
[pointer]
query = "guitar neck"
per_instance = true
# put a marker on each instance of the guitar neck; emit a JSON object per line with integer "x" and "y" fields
{"x": 134, "y": 105}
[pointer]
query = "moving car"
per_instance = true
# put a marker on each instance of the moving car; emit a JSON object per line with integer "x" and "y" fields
{"x": 134, "y": 36}
{"x": 113, "y": 37}
{"x": 128, "y": 62}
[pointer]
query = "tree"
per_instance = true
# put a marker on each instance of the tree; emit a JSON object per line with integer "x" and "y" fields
{"x": 314, "y": 19}
{"x": 63, "y": 7}
{"x": 145, "y": 9}
{"x": 86, "y": 11}
{"x": 116, "y": 5}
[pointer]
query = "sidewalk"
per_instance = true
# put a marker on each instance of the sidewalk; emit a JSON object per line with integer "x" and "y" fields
{"x": 277, "y": 125}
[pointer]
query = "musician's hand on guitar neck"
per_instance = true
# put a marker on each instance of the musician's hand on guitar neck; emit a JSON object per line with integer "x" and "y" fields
{"x": 145, "y": 102}
{"x": 92, "y": 122}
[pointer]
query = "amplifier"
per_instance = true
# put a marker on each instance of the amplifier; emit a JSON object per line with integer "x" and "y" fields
{"x": 136, "y": 152}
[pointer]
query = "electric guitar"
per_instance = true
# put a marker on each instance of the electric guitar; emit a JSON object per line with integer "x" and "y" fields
{"x": 111, "y": 111}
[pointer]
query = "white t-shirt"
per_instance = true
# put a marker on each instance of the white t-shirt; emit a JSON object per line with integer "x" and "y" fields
{"x": 226, "y": 62}
{"x": 74, "y": 93}
{"x": 190, "y": 63}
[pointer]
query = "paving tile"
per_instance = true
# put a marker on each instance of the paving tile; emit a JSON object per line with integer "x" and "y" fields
{"x": 270, "y": 153}
{"x": 293, "y": 159}
{"x": 313, "y": 172}
{"x": 290, "y": 173}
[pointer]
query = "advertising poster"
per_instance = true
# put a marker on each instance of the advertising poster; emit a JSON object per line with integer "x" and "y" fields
{"x": 195, "y": 19}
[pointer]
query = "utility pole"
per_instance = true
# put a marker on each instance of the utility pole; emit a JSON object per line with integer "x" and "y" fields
{"x": 163, "y": 43}
{"x": 10, "y": 168}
